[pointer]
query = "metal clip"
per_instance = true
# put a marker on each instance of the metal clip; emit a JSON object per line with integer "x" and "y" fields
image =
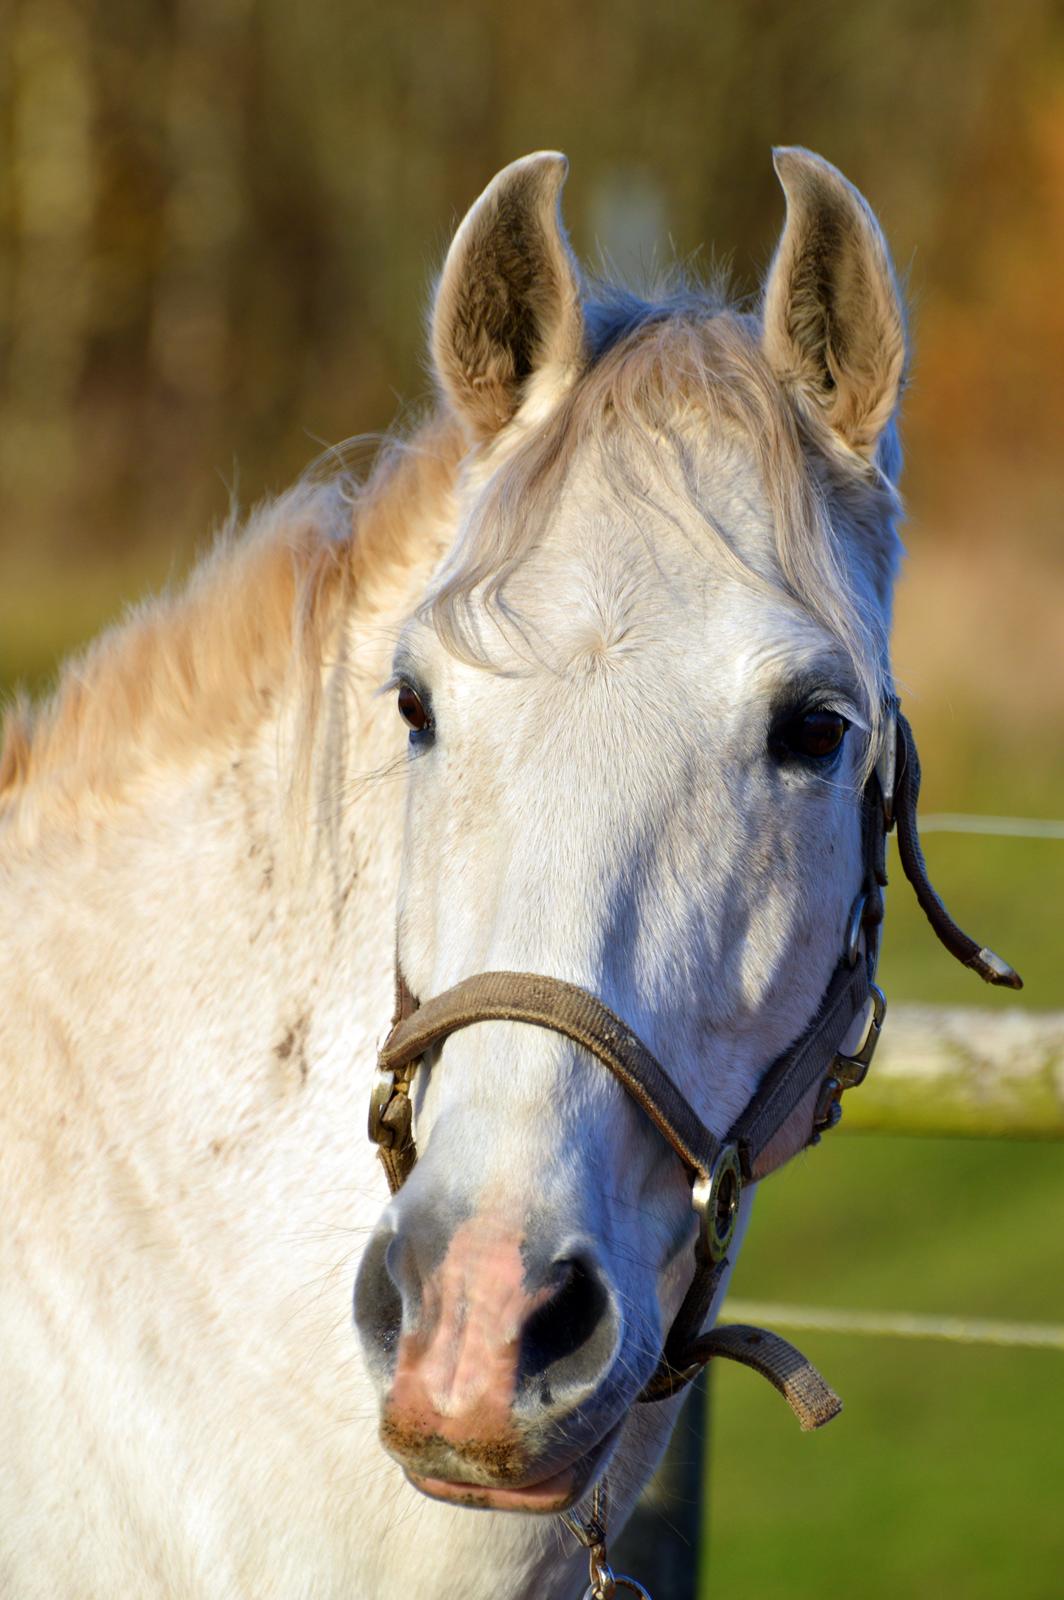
{"x": 847, "y": 1071}
{"x": 603, "y": 1582}
{"x": 602, "y": 1585}
{"x": 851, "y": 1068}
{"x": 592, "y": 1533}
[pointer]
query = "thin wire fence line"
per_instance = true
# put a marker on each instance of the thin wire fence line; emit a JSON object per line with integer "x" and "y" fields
{"x": 900, "y": 1325}
{"x": 1005, "y": 827}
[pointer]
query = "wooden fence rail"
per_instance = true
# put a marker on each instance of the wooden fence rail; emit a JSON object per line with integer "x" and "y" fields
{"x": 962, "y": 1070}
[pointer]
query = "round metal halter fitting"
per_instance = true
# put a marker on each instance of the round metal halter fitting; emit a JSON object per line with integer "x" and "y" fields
{"x": 716, "y": 1199}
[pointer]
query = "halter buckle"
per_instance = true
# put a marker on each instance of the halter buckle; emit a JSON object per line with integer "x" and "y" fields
{"x": 389, "y": 1109}
{"x": 715, "y": 1197}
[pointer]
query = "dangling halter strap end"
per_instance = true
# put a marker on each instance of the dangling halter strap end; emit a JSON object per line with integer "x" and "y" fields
{"x": 982, "y": 960}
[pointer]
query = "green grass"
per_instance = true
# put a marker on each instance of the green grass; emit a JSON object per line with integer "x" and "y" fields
{"x": 943, "y": 1473}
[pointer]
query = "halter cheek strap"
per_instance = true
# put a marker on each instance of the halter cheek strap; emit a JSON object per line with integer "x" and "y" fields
{"x": 797, "y": 1098}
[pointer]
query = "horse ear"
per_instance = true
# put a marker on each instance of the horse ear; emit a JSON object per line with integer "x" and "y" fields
{"x": 507, "y": 308}
{"x": 834, "y": 327}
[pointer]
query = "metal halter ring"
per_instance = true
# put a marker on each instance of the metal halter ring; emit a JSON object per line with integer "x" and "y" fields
{"x": 716, "y": 1199}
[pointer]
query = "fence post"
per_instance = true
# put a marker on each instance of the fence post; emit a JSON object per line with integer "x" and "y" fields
{"x": 661, "y": 1544}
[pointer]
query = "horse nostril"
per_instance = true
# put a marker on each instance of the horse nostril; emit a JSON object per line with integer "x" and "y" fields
{"x": 568, "y": 1340}
{"x": 379, "y": 1301}
{"x": 480, "y": 1287}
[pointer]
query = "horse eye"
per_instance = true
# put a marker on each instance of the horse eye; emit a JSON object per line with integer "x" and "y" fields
{"x": 813, "y": 734}
{"x": 412, "y": 709}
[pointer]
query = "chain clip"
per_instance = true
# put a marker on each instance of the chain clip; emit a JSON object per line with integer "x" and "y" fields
{"x": 603, "y": 1582}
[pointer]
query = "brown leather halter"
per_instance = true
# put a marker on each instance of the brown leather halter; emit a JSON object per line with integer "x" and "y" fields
{"x": 804, "y": 1085}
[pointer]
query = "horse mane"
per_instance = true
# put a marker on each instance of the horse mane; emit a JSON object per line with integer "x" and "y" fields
{"x": 203, "y": 665}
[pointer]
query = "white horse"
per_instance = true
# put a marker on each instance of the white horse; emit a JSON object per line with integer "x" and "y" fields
{"x": 639, "y": 565}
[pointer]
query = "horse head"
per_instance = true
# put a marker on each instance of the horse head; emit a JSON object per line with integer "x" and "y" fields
{"x": 644, "y": 691}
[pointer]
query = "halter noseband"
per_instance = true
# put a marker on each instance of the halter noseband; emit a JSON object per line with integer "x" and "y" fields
{"x": 805, "y": 1084}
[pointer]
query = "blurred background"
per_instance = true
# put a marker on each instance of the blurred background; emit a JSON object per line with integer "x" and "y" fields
{"x": 220, "y": 219}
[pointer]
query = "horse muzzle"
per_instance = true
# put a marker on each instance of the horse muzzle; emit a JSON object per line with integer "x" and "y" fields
{"x": 496, "y": 1352}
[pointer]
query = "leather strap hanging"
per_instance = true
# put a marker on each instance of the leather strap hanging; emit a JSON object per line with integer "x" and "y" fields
{"x": 753, "y": 1147}
{"x": 812, "y": 1401}
{"x": 989, "y": 966}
